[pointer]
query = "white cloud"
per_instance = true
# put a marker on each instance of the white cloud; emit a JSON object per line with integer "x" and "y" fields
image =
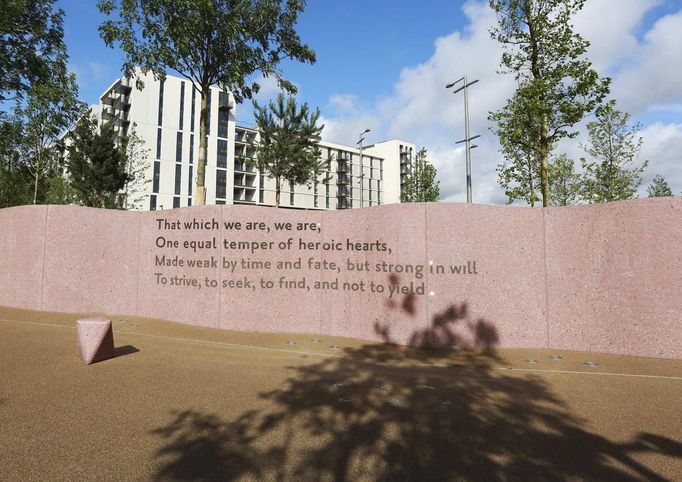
{"x": 343, "y": 104}
{"x": 653, "y": 74}
{"x": 663, "y": 148}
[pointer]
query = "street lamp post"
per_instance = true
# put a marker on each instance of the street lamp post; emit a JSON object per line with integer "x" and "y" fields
{"x": 467, "y": 137}
{"x": 362, "y": 171}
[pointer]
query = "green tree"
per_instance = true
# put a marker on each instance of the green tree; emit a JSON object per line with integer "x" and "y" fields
{"x": 50, "y": 109}
{"x": 421, "y": 184}
{"x": 613, "y": 144}
{"x": 97, "y": 165}
{"x": 519, "y": 175}
{"x": 31, "y": 45}
{"x": 137, "y": 164}
{"x": 208, "y": 42}
{"x": 564, "y": 181}
{"x": 557, "y": 86}
{"x": 14, "y": 177}
{"x": 289, "y": 142}
{"x": 659, "y": 187}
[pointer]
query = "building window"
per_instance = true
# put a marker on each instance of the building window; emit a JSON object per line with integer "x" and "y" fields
{"x": 178, "y": 177}
{"x": 223, "y": 113}
{"x": 182, "y": 105}
{"x": 221, "y": 184}
{"x": 157, "y": 176}
{"x": 222, "y": 153}
{"x": 194, "y": 101}
{"x": 189, "y": 201}
{"x": 190, "y": 181}
{"x": 261, "y": 192}
{"x": 291, "y": 193}
{"x": 191, "y": 148}
{"x": 158, "y": 144}
{"x": 176, "y": 202}
{"x": 152, "y": 202}
{"x": 161, "y": 102}
{"x": 327, "y": 193}
{"x": 315, "y": 194}
{"x": 178, "y": 147}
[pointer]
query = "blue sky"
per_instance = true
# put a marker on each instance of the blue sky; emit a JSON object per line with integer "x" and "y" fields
{"x": 383, "y": 64}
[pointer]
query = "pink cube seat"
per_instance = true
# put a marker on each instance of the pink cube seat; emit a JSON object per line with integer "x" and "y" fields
{"x": 95, "y": 339}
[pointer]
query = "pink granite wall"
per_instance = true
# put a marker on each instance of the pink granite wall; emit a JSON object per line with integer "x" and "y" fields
{"x": 600, "y": 278}
{"x": 614, "y": 277}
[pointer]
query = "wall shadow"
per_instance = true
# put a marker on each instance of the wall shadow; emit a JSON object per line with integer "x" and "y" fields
{"x": 377, "y": 414}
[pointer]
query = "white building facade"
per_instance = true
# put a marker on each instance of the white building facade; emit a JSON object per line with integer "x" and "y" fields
{"x": 165, "y": 115}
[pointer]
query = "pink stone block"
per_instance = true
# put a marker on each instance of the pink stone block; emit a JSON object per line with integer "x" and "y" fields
{"x": 95, "y": 339}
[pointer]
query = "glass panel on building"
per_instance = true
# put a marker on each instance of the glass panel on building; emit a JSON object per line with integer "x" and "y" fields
{"x": 158, "y": 144}
{"x": 161, "y": 102}
{"x": 178, "y": 147}
{"x": 157, "y": 176}
{"x": 194, "y": 101}
{"x": 176, "y": 202}
{"x": 222, "y": 153}
{"x": 178, "y": 177}
{"x": 191, "y": 148}
{"x": 221, "y": 184}
{"x": 182, "y": 104}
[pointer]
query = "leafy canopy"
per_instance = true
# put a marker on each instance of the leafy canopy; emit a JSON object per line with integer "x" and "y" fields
{"x": 565, "y": 182}
{"x": 209, "y": 42}
{"x": 659, "y": 187}
{"x": 31, "y": 45}
{"x": 289, "y": 141}
{"x": 613, "y": 174}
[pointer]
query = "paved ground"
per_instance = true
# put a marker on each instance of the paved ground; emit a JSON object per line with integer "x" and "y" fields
{"x": 186, "y": 403}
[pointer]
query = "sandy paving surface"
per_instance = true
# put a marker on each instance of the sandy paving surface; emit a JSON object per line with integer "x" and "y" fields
{"x": 187, "y": 403}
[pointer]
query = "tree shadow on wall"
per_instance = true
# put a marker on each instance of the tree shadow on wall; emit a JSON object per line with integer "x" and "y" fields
{"x": 450, "y": 328}
{"x": 376, "y": 414}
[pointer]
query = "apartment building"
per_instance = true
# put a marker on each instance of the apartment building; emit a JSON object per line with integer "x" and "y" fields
{"x": 166, "y": 116}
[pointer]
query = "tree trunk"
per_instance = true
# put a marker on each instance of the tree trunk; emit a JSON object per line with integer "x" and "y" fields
{"x": 36, "y": 175}
{"x": 200, "y": 198}
{"x": 544, "y": 168}
{"x": 277, "y": 189}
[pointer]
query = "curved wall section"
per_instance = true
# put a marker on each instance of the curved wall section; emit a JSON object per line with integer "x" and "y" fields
{"x": 600, "y": 278}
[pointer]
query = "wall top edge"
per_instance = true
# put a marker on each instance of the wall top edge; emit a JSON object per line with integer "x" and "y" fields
{"x": 638, "y": 203}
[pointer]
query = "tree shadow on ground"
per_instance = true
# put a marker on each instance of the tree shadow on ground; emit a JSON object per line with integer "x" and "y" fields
{"x": 377, "y": 413}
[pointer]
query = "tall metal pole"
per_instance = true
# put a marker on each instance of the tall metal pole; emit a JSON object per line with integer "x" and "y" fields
{"x": 362, "y": 172}
{"x": 467, "y": 136}
{"x": 468, "y": 141}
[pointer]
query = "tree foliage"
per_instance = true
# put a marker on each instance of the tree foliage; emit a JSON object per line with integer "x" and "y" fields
{"x": 557, "y": 86}
{"x": 613, "y": 174}
{"x": 659, "y": 187}
{"x": 519, "y": 175}
{"x": 14, "y": 178}
{"x": 137, "y": 164}
{"x": 97, "y": 166}
{"x": 564, "y": 181}
{"x": 209, "y": 42}
{"x": 31, "y": 45}
{"x": 421, "y": 184}
{"x": 289, "y": 142}
{"x": 50, "y": 109}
